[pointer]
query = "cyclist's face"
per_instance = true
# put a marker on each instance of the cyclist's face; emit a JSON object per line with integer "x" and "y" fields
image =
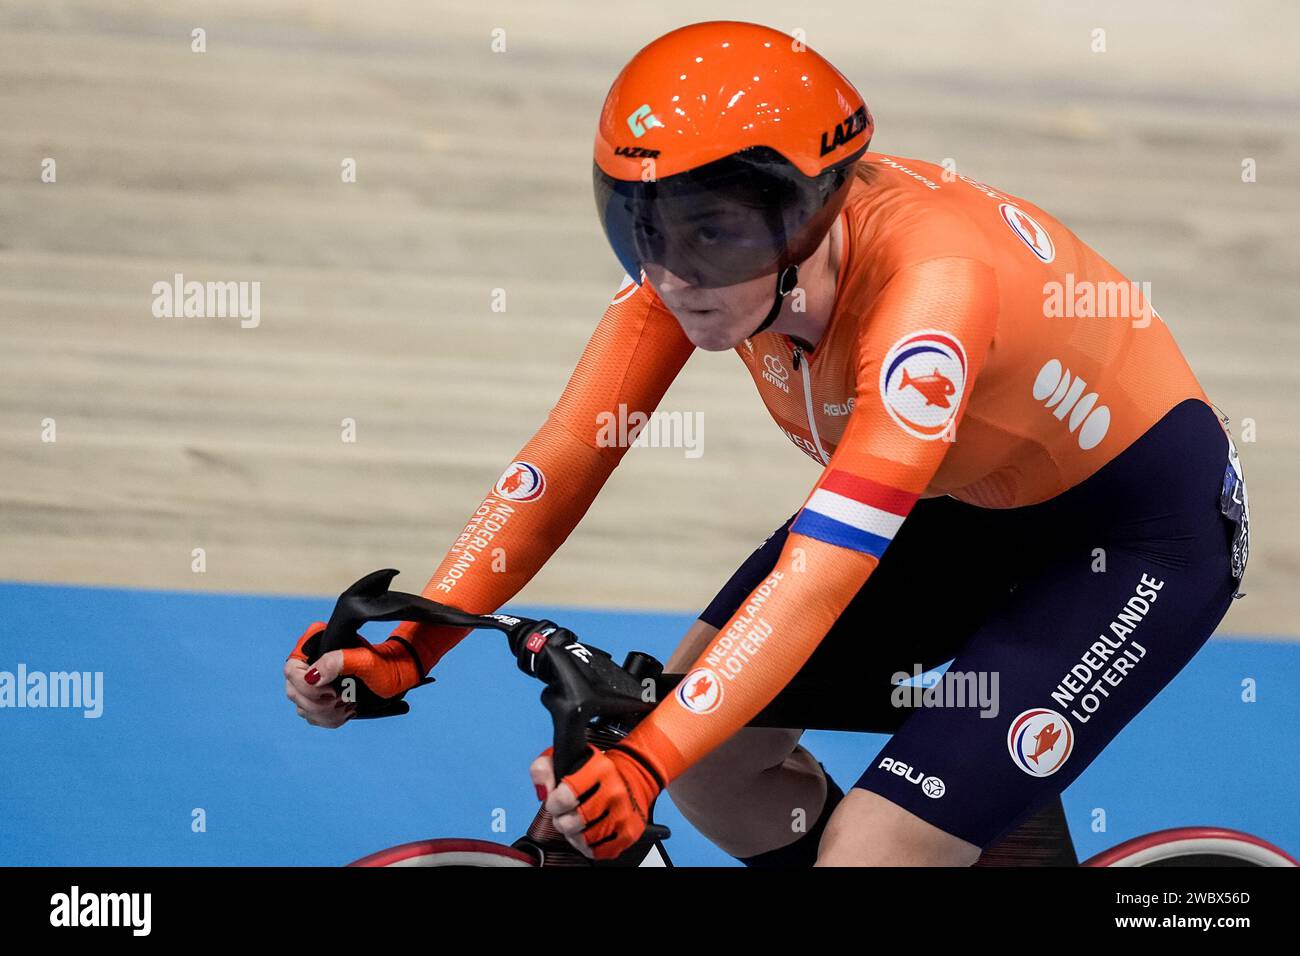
{"x": 715, "y": 320}
{"x": 688, "y": 248}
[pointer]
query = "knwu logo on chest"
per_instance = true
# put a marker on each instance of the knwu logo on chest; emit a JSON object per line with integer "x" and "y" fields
{"x": 775, "y": 373}
{"x": 1063, "y": 394}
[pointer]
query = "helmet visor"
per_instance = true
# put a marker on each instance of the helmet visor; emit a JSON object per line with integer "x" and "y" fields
{"x": 740, "y": 217}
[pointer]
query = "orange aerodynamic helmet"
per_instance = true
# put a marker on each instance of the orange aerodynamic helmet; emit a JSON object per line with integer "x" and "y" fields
{"x": 725, "y": 152}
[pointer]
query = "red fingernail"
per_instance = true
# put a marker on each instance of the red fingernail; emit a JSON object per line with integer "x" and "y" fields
{"x": 541, "y": 792}
{"x": 312, "y": 676}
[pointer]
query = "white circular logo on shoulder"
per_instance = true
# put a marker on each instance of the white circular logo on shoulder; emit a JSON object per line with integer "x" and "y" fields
{"x": 700, "y": 691}
{"x": 1030, "y": 232}
{"x": 922, "y": 380}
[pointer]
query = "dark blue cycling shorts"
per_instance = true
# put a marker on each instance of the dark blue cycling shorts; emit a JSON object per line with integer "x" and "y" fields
{"x": 1062, "y": 620}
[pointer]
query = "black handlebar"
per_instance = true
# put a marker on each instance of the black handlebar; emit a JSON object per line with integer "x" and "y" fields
{"x": 582, "y": 681}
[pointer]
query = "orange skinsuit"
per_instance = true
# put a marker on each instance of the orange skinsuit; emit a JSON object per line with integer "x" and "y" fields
{"x": 977, "y": 348}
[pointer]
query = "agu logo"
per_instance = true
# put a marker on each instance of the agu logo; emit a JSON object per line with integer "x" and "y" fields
{"x": 922, "y": 380}
{"x": 700, "y": 691}
{"x": 933, "y": 787}
{"x": 521, "y": 482}
{"x": 1030, "y": 232}
{"x": 1040, "y": 741}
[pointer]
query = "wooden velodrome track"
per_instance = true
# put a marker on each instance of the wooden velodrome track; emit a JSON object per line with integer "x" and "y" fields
{"x": 473, "y": 176}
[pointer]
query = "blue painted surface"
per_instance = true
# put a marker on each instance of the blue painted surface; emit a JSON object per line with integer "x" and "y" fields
{"x": 195, "y": 717}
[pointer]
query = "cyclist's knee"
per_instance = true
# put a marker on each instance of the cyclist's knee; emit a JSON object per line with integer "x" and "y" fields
{"x": 739, "y": 762}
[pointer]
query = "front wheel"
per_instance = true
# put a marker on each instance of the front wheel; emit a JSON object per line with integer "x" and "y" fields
{"x": 1194, "y": 846}
{"x": 448, "y": 852}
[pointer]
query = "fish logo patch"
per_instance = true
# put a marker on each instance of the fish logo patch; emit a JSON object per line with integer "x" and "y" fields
{"x": 1031, "y": 233}
{"x": 1040, "y": 741}
{"x": 700, "y": 691}
{"x": 521, "y": 482}
{"x": 922, "y": 380}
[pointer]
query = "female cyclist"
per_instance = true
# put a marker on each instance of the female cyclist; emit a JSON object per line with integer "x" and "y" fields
{"x": 1021, "y": 474}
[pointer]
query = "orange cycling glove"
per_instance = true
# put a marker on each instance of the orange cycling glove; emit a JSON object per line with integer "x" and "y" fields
{"x": 388, "y": 669}
{"x": 615, "y": 791}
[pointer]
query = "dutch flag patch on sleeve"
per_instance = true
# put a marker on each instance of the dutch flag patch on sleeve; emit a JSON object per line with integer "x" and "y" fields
{"x": 854, "y": 512}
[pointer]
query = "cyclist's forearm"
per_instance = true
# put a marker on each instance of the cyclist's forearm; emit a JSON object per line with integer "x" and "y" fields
{"x": 628, "y": 364}
{"x": 523, "y": 520}
{"x": 762, "y": 647}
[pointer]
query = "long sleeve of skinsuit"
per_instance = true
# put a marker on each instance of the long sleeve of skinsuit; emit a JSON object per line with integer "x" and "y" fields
{"x": 635, "y": 353}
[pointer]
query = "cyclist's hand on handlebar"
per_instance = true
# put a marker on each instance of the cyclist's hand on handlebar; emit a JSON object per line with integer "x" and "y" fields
{"x": 388, "y": 669}
{"x": 602, "y": 807}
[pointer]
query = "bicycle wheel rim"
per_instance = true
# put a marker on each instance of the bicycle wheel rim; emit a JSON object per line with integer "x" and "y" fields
{"x": 1194, "y": 846}
{"x": 447, "y": 852}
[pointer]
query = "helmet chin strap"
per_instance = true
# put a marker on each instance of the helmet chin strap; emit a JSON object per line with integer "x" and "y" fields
{"x": 786, "y": 281}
